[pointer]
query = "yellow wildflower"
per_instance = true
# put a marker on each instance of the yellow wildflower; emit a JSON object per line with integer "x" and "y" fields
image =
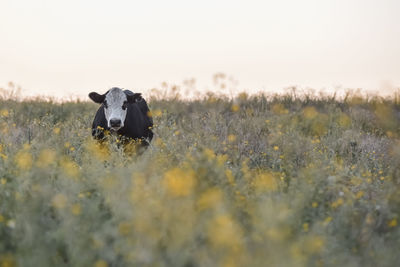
{"x": 235, "y": 108}
{"x": 99, "y": 151}
{"x": 279, "y": 109}
{"x": 24, "y": 160}
{"x": 359, "y": 194}
{"x": 313, "y": 244}
{"x": 327, "y": 220}
{"x": 337, "y": 203}
{"x": 310, "y": 112}
{"x": 392, "y": 223}
{"x": 278, "y": 233}
{"x": 59, "y": 201}
{"x": 265, "y": 182}
{"x": 179, "y": 182}
{"x": 76, "y": 209}
{"x": 100, "y": 263}
{"x": 231, "y": 138}
{"x": 243, "y": 96}
{"x": 56, "y": 130}
{"x": 125, "y": 228}
{"x": 46, "y": 157}
{"x": 209, "y": 199}
{"x": 69, "y": 167}
{"x": 209, "y": 153}
{"x": 221, "y": 159}
{"x": 229, "y": 177}
{"x": 4, "y": 113}
{"x": 224, "y": 232}
{"x": 344, "y": 120}
{"x": 156, "y": 113}
{"x": 7, "y": 260}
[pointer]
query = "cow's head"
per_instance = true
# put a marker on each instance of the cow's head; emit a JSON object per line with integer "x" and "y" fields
{"x": 115, "y": 103}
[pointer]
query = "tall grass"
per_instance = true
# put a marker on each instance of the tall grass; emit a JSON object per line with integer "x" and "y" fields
{"x": 252, "y": 181}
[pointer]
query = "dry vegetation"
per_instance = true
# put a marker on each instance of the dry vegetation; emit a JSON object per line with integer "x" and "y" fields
{"x": 251, "y": 181}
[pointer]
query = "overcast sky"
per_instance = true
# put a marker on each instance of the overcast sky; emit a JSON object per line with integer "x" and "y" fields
{"x": 73, "y": 47}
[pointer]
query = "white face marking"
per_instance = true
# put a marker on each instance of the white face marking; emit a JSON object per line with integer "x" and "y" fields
{"x": 115, "y": 108}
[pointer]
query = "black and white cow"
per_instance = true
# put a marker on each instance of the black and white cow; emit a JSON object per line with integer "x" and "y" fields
{"x": 124, "y": 113}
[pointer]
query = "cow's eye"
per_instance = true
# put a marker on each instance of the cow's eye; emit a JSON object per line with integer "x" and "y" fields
{"x": 124, "y": 106}
{"x": 105, "y": 104}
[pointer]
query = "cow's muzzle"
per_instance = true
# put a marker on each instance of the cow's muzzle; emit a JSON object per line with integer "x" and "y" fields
{"x": 115, "y": 124}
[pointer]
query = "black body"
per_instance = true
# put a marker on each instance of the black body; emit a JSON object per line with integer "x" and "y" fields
{"x": 137, "y": 123}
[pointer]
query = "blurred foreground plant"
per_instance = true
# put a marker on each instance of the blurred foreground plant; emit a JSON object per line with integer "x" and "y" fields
{"x": 252, "y": 181}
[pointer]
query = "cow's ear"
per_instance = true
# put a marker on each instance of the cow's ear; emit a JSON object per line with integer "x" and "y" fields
{"x": 134, "y": 98}
{"x": 97, "y": 98}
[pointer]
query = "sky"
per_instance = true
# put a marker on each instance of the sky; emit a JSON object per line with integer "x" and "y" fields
{"x": 65, "y": 48}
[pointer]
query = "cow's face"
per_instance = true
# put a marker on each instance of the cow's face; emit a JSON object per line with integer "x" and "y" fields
{"x": 115, "y": 103}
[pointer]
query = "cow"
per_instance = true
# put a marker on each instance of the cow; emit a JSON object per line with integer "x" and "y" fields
{"x": 124, "y": 113}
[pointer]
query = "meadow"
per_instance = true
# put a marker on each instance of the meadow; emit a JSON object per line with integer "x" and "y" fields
{"x": 253, "y": 180}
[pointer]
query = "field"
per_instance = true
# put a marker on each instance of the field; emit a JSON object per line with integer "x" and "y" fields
{"x": 264, "y": 180}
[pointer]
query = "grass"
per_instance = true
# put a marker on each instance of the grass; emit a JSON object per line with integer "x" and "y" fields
{"x": 251, "y": 181}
